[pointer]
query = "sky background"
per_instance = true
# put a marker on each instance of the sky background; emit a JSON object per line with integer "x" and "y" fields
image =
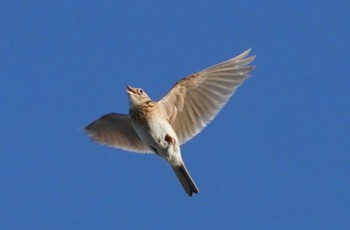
{"x": 276, "y": 157}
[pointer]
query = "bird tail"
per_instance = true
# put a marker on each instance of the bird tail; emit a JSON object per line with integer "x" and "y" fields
{"x": 185, "y": 179}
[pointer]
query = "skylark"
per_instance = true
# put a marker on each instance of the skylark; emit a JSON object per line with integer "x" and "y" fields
{"x": 161, "y": 127}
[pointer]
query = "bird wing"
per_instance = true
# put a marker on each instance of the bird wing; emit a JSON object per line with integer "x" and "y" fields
{"x": 116, "y": 130}
{"x": 195, "y": 100}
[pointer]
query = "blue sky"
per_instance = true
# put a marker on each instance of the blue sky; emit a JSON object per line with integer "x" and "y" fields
{"x": 276, "y": 157}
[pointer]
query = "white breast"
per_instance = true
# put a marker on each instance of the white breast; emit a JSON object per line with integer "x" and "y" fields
{"x": 153, "y": 135}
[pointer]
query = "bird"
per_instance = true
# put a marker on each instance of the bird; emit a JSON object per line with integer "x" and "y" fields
{"x": 160, "y": 127}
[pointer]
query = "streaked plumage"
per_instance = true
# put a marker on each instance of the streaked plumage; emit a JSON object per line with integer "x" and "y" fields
{"x": 161, "y": 127}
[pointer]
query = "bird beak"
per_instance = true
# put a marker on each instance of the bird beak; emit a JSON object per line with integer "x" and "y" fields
{"x": 130, "y": 90}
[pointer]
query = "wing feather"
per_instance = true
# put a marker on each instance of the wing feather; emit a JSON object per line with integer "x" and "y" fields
{"x": 195, "y": 100}
{"x": 116, "y": 130}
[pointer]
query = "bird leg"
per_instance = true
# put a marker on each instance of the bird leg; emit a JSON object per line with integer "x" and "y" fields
{"x": 170, "y": 139}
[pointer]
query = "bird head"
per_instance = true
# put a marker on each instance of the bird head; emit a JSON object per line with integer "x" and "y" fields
{"x": 136, "y": 96}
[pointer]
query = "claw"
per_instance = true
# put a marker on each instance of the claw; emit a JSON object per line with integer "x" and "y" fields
{"x": 170, "y": 139}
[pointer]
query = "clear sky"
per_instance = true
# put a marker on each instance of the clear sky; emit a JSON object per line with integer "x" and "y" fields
{"x": 276, "y": 157}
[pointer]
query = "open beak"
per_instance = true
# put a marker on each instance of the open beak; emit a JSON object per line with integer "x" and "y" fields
{"x": 130, "y": 90}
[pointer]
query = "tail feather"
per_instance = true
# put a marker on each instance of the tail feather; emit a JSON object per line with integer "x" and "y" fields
{"x": 185, "y": 179}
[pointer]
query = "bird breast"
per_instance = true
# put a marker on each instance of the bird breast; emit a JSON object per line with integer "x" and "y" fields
{"x": 142, "y": 113}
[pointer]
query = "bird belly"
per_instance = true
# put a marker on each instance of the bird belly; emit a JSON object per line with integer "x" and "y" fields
{"x": 154, "y": 133}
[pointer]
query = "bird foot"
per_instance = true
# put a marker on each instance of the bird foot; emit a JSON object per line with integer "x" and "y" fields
{"x": 170, "y": 139}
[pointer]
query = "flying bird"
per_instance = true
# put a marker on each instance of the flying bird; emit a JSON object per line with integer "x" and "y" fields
{"x": 161, "y": 127}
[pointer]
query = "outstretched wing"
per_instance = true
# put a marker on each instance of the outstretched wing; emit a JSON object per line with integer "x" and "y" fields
{"x": 116, "y": 130}
{"x": 195, "y": 100}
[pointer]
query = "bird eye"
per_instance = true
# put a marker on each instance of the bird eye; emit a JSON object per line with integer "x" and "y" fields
{"x": 140, "y": 91}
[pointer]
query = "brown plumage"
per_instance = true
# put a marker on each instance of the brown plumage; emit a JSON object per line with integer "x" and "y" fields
{"x": 161, "y": 127}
